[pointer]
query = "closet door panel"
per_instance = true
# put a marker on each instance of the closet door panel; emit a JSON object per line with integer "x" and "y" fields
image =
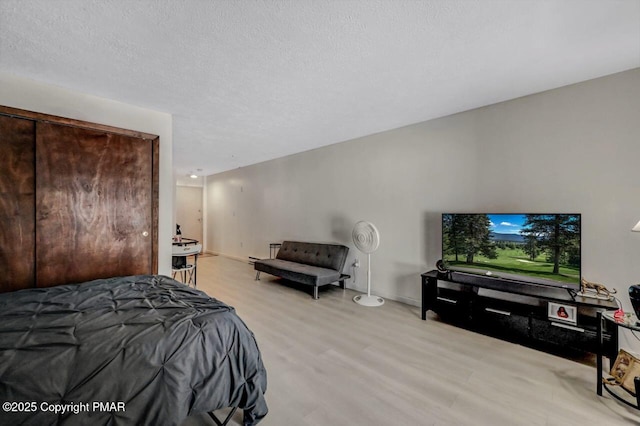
{"x": 94, "y": 202}
{"x": 17, "y": 240}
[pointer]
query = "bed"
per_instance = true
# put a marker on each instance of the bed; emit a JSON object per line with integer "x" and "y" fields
{"x": 129, "y": 350}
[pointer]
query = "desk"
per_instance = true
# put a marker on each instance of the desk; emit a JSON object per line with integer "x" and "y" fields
{"x": 184, "y": 242}
{"x": 179, "y": 262}
{"x": 629, "y": 323}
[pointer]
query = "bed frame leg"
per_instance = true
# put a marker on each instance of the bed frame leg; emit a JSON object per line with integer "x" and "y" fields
{"x": 258, "y": 276}
{"x": 315, "y": 292}
{"x": 218, "y": 423}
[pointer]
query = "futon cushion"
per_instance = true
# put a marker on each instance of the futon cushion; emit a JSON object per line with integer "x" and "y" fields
{"x": 299, "y": 272}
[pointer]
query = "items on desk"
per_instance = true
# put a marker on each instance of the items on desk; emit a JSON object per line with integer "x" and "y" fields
{"x": 178, "y": 237}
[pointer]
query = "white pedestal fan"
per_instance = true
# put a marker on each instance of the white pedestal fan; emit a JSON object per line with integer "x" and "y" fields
{"x": 367, "y": 239}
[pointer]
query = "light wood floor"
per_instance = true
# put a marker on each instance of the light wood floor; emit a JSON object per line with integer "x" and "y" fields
{"x": 332, "y": 362}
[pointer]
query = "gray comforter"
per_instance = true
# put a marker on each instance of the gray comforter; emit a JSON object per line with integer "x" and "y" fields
{"x": 130, "y": 350}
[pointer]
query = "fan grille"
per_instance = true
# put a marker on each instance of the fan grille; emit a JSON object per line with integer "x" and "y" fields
{"x": 366, "y": 237}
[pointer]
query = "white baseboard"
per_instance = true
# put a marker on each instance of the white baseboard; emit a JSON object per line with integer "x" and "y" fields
{"x": 405, "y": 300}
{"x": 228, "y": 256}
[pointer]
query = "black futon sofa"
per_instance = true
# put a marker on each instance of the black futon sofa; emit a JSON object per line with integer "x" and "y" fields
{"x": 313, "y": 264}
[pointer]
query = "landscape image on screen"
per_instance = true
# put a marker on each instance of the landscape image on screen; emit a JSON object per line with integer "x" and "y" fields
{"x": 537, "y": 248}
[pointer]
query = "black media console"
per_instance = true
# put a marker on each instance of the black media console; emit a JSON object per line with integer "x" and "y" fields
{"x": 516, "y": 311}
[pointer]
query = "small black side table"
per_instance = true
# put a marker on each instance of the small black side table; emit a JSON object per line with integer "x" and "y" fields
{"x": 631, "y": 323}
{"x": 273, "y": 250}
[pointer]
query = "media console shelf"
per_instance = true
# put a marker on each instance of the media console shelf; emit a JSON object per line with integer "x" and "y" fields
{"x": 515, "y": 310}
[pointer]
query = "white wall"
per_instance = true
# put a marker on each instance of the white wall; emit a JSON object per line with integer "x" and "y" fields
{"x": 573, "y": 149}
{"x": 30, "y": 95}
{"x": 396, "y": 179}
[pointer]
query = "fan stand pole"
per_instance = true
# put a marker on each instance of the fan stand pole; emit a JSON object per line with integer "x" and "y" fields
{"x": 368, "y": 274}
{"x": 368, "y": 300}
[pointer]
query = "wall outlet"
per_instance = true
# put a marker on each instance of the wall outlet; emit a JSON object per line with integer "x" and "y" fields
{"x": 356, "y": 263}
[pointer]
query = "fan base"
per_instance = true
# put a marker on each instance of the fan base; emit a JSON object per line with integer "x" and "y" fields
{"x": 365, "y": 300}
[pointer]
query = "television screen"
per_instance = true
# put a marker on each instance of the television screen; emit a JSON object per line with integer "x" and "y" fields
{"x": 536, "y": 248}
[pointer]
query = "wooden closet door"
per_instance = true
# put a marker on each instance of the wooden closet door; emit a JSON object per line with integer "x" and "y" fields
{"x": 94, "y": 205}
{"x": 17, "y": 240}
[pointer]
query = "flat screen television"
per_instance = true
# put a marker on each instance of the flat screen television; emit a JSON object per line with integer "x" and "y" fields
{"x": 533, "y": 248}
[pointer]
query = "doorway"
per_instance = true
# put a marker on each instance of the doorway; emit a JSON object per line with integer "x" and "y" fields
{"x": 189, "y": 211}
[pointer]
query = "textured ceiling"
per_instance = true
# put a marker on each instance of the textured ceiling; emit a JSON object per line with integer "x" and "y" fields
{"x": 250, "y": 80}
